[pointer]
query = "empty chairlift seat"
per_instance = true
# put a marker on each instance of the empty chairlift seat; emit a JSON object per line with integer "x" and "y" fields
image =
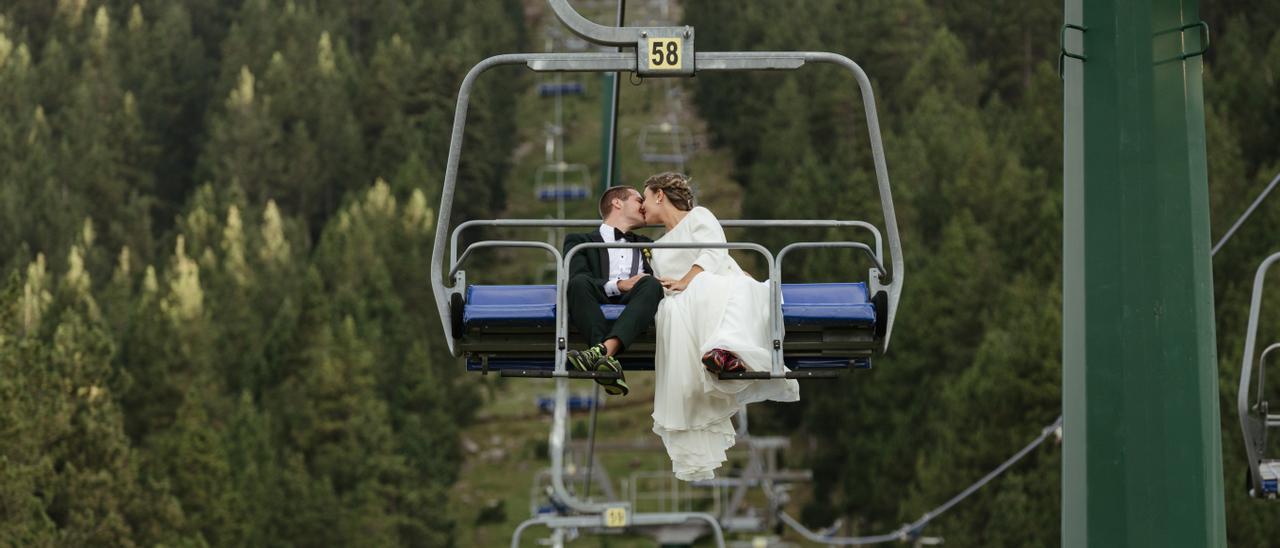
{"x": 568, "y": 193}
{"x": 563, "y": 89}
{"x": 828, "y": 325}
{"x": 1269, "y": 471}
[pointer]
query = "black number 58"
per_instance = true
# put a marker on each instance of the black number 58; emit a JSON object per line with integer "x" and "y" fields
{"x": 669, "y": 55}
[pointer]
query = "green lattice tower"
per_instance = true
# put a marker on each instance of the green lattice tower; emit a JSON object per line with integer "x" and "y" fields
{"x": 1142, "y": 462}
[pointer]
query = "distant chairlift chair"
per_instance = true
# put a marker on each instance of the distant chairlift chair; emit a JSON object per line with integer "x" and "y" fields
{"x": 666, "y": 143}
{"x": 1263, "y": 476}
{"x": 562, "y": 182}
{"x": 561, "y": 89}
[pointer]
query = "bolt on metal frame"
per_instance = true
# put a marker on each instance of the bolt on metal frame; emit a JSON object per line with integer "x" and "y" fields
{"x": 890, "y": 280}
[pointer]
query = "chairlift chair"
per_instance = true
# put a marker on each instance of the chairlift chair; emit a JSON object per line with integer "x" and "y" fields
{"x": 559, "y": 181}
{"x": 561, "y": 89}
{"x": 516, "y": 330}
{"x": 523, "y": 330}
{"x": 1263, "y": 476}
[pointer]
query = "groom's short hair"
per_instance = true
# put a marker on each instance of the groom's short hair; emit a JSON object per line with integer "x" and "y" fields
{"x": 611, "y": 194}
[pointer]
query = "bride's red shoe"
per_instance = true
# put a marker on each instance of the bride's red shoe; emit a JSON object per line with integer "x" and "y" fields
{"x": 717, "y": 360}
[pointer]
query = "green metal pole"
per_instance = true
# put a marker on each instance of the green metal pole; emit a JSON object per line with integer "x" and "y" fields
{"x": 1142, "y": 457}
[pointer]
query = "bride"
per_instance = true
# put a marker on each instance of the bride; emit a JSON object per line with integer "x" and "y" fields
{"x": 714, "y": 317}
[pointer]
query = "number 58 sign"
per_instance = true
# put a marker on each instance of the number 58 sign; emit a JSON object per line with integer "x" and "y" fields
{"x": 665, "y": 53}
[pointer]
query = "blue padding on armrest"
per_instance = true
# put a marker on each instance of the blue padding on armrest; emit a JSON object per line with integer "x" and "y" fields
{"x": 831, "y": 304}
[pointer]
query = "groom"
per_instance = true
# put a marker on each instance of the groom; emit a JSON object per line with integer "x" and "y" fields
{"x": 611, "y": 276}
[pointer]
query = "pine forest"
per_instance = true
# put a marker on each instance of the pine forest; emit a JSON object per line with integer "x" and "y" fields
{"x": 217, "y": 217}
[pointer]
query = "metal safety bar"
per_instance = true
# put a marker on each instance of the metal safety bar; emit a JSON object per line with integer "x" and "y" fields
{"x": 830, "y": 245}
{"x": 507, "y": 243}
{"x": 706, "y": 62}
{"x": 724, "y": 223}
{"x": 1254, "y": 434}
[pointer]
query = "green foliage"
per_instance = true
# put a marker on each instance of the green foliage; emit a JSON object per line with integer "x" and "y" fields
{"x": 215, "y": 329}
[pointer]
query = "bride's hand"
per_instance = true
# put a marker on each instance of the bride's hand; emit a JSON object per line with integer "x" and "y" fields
{"x": 674, "y": 284}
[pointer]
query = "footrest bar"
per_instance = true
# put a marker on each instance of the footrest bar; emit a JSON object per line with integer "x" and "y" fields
{"x": 765, "y": 375}
{"x": 752, "y": 375}
{"x": 806, "y": 374}
{"x": 550, "y": 373}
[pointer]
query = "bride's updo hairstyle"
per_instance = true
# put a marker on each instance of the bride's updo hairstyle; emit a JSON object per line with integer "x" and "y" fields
{"x": 675, "y": 186}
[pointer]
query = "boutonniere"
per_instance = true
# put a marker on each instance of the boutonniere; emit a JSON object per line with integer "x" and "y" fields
{"x": 648, "y": 255}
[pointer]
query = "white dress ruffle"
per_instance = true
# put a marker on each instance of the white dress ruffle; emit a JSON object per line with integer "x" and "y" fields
{"x": 724, "y": 308}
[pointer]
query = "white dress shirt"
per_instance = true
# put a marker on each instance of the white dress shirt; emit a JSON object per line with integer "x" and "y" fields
{"x": 619, "y": 262}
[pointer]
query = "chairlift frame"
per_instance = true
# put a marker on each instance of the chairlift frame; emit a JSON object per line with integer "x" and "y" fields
{"x": 1254, "y": 425}
{"x": 887, "y": 280}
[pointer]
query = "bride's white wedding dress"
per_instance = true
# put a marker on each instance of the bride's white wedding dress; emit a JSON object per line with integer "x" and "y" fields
{"x": 724, "y": 308}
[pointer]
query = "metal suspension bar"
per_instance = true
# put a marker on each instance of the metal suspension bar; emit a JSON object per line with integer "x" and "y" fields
{"x": 594, "y": 32}
{"x": 664, "y": 62}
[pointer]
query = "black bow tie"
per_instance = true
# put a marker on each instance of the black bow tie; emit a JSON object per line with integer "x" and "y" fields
{"x": 620, "y": 235}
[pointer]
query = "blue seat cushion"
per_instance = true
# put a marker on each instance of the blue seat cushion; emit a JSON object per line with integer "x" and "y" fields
{"x": 827, "y": 305}
{"x": 534, "y": 306}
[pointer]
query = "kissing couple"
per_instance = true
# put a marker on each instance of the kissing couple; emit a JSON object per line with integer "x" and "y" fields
{"x": 710, "y": 316}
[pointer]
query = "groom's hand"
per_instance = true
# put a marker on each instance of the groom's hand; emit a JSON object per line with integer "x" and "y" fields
{"x": 626, "y": 285}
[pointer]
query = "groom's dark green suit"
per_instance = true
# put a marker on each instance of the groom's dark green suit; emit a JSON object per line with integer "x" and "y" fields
{"x": 588, "y": 273}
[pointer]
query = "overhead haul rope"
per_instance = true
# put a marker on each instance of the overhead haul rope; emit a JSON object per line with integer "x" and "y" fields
{"x": 912, "y": 530}
{"x": 1245, "y": 216}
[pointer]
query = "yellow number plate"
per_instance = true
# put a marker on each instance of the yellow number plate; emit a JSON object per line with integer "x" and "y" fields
{"x": 666, "y": 53}
{"x": 615, "y": 517}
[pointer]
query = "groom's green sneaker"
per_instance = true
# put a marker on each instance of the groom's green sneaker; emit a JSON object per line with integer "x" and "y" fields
{"x": 585, "y": 360}
{"x": 594, "y": 359}
{"x": 614, "y": 387}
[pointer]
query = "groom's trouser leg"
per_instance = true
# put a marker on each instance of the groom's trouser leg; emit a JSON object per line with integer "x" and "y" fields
{"x": 584, "y": 299}
{"x": 641, "y": 305}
